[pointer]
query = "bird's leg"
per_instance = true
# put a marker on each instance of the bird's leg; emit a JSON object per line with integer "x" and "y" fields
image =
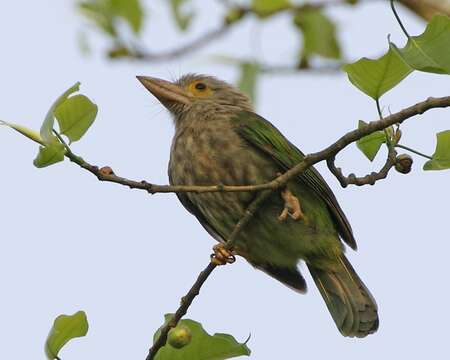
{"x": 291, "y": 206}
{"x": 222, "y": 255}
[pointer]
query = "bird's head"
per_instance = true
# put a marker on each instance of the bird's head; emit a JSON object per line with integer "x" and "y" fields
{"x": 196, "y": 94}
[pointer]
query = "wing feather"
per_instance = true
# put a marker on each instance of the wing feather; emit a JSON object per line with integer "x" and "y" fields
{"x": 261, "y": 134}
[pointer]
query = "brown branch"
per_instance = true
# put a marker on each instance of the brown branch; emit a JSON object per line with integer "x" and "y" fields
{"x": 427, "y": 8}
{"x": 141, "y": 54}
{"x": 203, "y": 40}
{"x": 424, "y": 8}
{"x": 186, "y": 301}
{"x": 369, "y": 179}
{"x": 309, "y": 160}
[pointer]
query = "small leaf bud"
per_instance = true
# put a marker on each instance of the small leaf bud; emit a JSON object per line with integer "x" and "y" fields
{"x": 403, "y": 163}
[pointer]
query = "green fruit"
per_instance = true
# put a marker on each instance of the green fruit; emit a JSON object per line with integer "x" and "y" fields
{"x": 179, "y": 336}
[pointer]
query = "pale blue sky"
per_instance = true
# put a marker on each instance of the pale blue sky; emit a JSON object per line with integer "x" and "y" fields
{"x": 69, "y": 242}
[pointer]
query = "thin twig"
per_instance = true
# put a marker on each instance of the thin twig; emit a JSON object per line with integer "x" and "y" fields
{"x": 186, "y": 301}
{"x": 309, "y": 160}
{"x": 203, "y": 40}
{"x": 373, "y": 177}
{"x": 369, "y": 179}
{"x": 208, "y": 37}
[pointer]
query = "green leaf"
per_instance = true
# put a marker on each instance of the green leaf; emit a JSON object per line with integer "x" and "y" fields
{"x": 376, "y": 77}
{"x": 29, "y": 133}
{"x": 370, "y": 144}
{"x": 234, "y": 15}
{"x": 75, "y": 116}
{"x": 441, "y": 156}
{"x": 248, "y": 78}
{"x": 182, "y": 19}
{"x": 266, "y": 8}
{"x": 129, "y": 10}
{"x": 49, "y": 155}
{"x": 100, "y": 13}
{"x": 319, "y": 34}
{"x": 65, "y": 328}
{"x": 47, "y": 127}
{"x": 202, "y": 346}
{"x": 429, "y": 52}
{"x": 104, "y": 14}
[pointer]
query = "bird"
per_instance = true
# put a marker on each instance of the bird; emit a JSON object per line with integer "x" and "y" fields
{"x": 220, "y": 139}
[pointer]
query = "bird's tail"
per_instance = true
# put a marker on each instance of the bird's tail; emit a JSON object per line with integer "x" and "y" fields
{"x": 350, "y": 303}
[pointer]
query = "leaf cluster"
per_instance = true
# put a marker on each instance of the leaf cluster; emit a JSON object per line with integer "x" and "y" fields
{"x": 428, "y": 52}
{"x": 74, "y": 115}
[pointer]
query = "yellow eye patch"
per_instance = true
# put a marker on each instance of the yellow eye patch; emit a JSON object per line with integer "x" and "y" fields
{"x": 199, "y": 89}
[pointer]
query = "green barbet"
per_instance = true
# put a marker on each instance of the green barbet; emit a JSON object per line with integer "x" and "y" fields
{"x": 220, "y": 140}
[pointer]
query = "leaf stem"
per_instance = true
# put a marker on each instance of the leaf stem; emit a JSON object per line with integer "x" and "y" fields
{"x": 61, "y": 140}
{"x": 380, "y": 114}
{"x": 399, "y": 20}
{"x": 414, "y": 151}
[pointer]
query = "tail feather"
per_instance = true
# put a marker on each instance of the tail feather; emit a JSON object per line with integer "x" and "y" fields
{"x": 350, "y": 303}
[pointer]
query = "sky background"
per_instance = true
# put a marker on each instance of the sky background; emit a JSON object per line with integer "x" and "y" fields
{"x": 69, "y": 242}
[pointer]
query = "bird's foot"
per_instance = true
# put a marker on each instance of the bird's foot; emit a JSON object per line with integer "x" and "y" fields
{"x": 222, "y": 255}
{"x": 292, "y": 206}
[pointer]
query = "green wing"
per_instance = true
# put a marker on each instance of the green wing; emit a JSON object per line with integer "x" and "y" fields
{"x": 261, "y": 134}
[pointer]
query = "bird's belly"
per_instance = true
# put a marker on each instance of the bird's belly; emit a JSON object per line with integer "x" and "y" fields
{"x": 218, "y": 157}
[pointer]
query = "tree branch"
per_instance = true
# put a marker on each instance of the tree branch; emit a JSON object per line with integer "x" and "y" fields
{"x": 186, "y": 301}
{"x": 144, "y": 55}
{"x": 427, "y": 8}
{"x": 308, "y": 161}
{"x": 369, "y": 179}
{"x": 424, "y": 8}
{"x": 123, "y": 51}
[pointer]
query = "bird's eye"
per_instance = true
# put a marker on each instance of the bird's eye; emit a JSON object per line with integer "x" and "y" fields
{"x": 200, "y": 86}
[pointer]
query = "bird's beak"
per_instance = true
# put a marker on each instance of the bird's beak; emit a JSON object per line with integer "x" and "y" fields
{"x": 165, "y": 91}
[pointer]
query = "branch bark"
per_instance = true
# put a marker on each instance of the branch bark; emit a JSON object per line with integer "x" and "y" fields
{"x": 309, "y": 160}
{"x": 369, "y": 179}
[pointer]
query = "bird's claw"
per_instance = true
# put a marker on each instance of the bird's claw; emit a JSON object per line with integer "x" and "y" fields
{"x": 222, "y": 255}
{"x": 292, "y": 206}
